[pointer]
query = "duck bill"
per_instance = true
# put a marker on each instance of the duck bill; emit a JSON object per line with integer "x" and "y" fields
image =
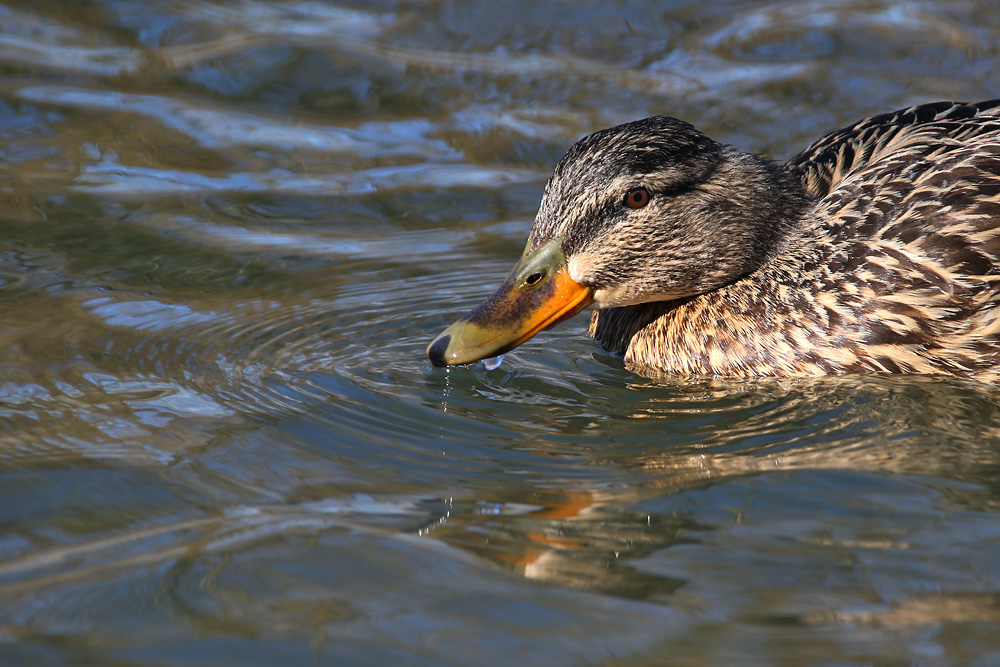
{"x": 537, "y": 294}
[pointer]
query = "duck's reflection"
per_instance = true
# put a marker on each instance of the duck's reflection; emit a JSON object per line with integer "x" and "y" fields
{"x": 707, "y": 437}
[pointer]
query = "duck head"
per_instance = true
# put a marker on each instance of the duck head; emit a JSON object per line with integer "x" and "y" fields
{"x": 651, "y": 210}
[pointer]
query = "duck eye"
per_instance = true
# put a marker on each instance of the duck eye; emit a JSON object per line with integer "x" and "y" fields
{"x": 637, "y": 198}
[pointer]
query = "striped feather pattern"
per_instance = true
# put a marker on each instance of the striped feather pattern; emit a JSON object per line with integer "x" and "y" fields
{"x": 895, "y": 266}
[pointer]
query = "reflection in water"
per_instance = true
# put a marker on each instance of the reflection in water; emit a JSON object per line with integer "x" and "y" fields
{"x": 877, "y": 425}
{"x": 227, "y": 232}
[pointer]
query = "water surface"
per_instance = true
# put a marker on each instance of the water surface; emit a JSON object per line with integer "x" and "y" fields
{"x": 229, "y": 229}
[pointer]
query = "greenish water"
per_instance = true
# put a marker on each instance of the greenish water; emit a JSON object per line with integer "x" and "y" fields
{"x": 229, "y": 229}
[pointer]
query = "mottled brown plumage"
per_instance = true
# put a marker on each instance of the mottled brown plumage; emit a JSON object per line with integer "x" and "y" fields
{"x": 876, "y": 249}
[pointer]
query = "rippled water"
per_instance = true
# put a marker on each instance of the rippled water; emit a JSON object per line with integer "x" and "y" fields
{"x": 229, "y": 229}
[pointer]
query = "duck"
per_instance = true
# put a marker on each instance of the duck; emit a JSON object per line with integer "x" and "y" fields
{"x": 874, "y": 250}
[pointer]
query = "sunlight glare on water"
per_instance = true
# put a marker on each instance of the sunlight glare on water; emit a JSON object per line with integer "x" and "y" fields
{"x": 229, "y": 231}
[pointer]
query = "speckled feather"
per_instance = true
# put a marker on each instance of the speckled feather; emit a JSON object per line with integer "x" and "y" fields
{"x": 890, "y": 263}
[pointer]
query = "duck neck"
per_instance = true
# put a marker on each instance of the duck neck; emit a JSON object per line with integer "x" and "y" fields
{"x": 766, "y": 198}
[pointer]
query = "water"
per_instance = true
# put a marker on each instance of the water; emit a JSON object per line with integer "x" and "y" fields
{"x": 227, "y": 233}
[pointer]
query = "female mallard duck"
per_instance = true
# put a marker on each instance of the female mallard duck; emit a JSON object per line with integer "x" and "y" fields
{"x": 875, "y": 249}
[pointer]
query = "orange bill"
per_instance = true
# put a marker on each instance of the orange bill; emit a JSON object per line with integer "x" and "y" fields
{"x": 537, "y": 294}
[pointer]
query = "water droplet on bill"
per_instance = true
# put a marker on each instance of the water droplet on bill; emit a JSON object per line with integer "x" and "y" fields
{"x": 492, "y": 363}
